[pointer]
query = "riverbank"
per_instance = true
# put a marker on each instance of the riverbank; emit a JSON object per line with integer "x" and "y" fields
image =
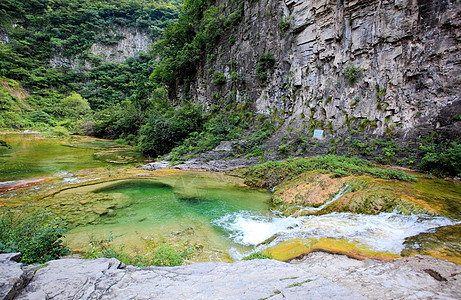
{"x": 318, "y": 275}
{"x": 344, "y": 205}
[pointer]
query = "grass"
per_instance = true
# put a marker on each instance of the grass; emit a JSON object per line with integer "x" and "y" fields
{"x": 298, "y": 283}
{"x": 257, "y": 255}
{"x": 157, "y": 253}
{"x": 272, "y": 173}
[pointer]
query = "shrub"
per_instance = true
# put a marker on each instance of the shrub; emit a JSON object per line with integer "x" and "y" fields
{"x": 442, "y": 160}
{"x": 265, "y": 62}
{"x": 257, "y": 255}
{"x": 219, "y": 78}
{"x": 284, "y": 24}
{"x": 74, "y": 106}
{"x": 352, "y": 73}
{"x": 39, "y": 116}
{"x": 157, "y": 137}
{"x": 33, "y": 232}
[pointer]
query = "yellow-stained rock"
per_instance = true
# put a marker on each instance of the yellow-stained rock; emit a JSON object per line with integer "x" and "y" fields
{"x": 297, "y": 247}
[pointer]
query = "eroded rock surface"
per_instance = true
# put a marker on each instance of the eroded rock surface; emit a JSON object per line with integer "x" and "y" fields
{"x": 384, "y": 68}
{"x": 417, "y": 277}
{"x": 316, "y": 276}
{"x": 13, "y": 275}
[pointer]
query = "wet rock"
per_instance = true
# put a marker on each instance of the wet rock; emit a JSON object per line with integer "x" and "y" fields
{"x": 86, "y": 208}
{"x": 443, "y": 242}
{"x": 221, "y": 158}
{"x": 158, "y": 165}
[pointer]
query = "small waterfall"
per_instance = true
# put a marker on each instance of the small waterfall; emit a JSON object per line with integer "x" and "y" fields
{"x": 382, "y": 232}
{"x": 315, "y": 209}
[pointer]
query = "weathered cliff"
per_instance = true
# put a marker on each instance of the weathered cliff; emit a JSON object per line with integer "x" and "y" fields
{"x": 127, "y": 42}
{"x": 376, "y": 67}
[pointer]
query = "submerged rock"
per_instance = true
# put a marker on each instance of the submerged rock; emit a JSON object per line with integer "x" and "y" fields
{"x": 86, "y": 208}
{"x": 316, "y": 276}
{"x": 443, "y": 242}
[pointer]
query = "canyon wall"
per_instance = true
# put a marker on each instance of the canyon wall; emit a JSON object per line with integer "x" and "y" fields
{"x": 350, "y": 67}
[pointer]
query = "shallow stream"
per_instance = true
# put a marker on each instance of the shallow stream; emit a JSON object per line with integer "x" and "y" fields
{"x": 217, "y": 214}
{"x": 32, "y": 155}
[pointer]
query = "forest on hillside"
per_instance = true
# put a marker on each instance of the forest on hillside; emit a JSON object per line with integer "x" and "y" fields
{"x": 136, "y": 101}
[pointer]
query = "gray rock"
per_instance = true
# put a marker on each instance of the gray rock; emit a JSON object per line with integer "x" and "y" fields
{"x": 156, "y": 165}
{"x": 417, "y": 277}
{"x": 316, "y": 276}
{"x": 405, "y": 56}
{"x": 13, "y": 277}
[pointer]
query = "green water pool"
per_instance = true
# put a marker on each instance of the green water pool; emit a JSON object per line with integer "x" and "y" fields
{"x": 33, "y": 156}
{"x": 184, "y": 207}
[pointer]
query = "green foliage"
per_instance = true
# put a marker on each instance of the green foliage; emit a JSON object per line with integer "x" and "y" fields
{"x": 366, "y": 123}
{"x": 352, "y": 73}
{"x": 33, "y": 232}
{"x": 442, "y": 159}
{"x": 265, "y": 62}
{"x": 257, "y": 255}
{"x": 380, "y": 92}
{"x": 126, "y": 80}
{"x": 45, "y": 28}
{"x": 191, "y": 39}
{"x": 217, "y": 127}
{"x": 74, "y": 106}
{"x": 163, "y": 132}
{"x": 273, "y": 173}
{"x": 157, "y": 253}
{"x": 39, "y": 116}
{"x": 7, "y": 101}
{"x": 285, "y": 24}
{"x": 356, "y": 102}
{"x": 42, "y": 30}
{"x": 219, "y": 78}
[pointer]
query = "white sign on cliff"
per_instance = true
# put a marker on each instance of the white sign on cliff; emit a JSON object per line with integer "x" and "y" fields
{"x": 318, "y": 134}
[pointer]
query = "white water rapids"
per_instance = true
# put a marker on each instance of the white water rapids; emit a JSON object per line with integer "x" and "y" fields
{"x": 382, "y": 232}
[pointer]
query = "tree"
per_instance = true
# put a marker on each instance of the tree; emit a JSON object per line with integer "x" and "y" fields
{"x": 74, "y": 106}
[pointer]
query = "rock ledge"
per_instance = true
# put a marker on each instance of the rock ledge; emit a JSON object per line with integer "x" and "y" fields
{"x": 316, "y": 276}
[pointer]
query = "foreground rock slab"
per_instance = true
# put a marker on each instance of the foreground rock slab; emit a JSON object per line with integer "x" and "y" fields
{"x": 13, "y": 276}
{"x": 316, "y": 276}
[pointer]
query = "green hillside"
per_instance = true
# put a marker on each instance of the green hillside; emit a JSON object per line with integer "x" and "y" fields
{"x": 33, "y": 32}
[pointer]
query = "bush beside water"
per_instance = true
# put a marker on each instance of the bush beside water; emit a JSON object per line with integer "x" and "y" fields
{"x": 33, "y": 232}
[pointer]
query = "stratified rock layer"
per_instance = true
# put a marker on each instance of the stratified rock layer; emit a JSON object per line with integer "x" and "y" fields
{"x": 316, "y": 276}
{"x": 384, "y": 68}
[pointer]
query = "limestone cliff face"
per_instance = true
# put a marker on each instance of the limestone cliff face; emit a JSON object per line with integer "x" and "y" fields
{"x": 133, "y": 42}
{"x": 380, "y": 67}
{"x": 128, "y": 43}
